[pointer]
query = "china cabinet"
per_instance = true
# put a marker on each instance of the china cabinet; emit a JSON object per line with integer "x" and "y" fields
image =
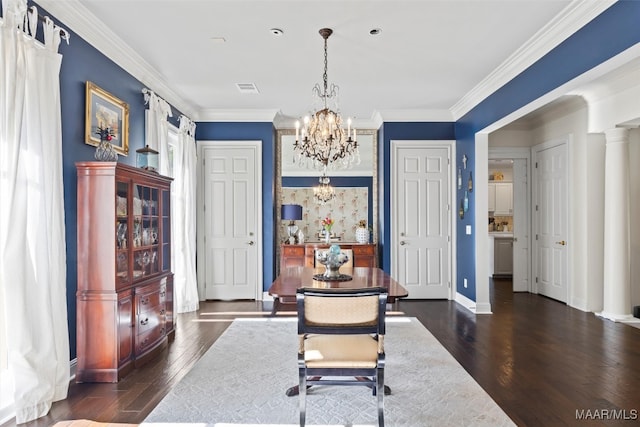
{"x": 125, "y": 285}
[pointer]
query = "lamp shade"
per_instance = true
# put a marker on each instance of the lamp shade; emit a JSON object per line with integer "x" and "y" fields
{"x": 291, "y": 212}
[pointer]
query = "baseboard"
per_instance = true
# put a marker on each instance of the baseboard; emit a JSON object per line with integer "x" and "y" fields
{"x": 472, "y": 306}
{"x": 8, "y": 411}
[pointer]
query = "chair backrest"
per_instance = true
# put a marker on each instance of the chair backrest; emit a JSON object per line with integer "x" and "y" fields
{"x": 341, "y": 311}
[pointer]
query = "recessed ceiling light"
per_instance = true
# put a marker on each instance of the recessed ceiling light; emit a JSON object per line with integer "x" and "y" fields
{"x": 375, "y": 31}
{"x": 218, "y": 39}
{"x": 276, "y": 31}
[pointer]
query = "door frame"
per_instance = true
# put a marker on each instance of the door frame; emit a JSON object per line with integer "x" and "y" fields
{"x": 201, "y": 247}
{"x": 393, "y": 233}
{"x": 521, "y": 153}
{"x": 535, "y": 149}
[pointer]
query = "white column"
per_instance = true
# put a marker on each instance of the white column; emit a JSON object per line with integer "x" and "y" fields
{"x": 617, "y": 267}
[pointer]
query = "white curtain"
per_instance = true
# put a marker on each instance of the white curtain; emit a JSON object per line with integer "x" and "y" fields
{"x": 32, "y": 233}
{"x": 184, "y": 218}
{"x": 158, "y": 128}
{"x": 183, "y": 197}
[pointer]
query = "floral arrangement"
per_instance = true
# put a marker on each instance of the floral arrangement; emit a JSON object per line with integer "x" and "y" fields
{"x": 327, "y": 223}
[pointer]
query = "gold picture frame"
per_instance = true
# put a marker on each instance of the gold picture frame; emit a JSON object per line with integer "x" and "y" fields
{"x": 103, "y": 110}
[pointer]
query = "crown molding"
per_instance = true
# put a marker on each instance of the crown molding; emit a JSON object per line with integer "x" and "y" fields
{"x": 239, "y": 115}
{"x": 414, "y": 115}
{"x": 573, "y": 17}
{"x": 85, "y": 24}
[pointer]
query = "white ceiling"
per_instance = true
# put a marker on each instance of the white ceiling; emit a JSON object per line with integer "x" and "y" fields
{"x": 433, "y": 60}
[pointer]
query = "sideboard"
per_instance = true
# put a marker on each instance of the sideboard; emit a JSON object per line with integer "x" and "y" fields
{"x": 364, "y": 254}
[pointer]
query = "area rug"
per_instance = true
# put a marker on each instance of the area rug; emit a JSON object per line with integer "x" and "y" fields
{"x": 241, "y": 381}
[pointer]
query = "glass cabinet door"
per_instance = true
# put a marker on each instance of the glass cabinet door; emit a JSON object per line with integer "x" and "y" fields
{"x": 166, "y": 230}
{"x": 146, "y": 238}
{"x": 122, "y": 234}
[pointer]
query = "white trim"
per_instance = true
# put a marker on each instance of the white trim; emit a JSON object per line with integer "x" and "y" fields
{"x": 84, "y": 23}
{"x": 471, "y": 305}
{"x": 481, "y": 166}
{"x": 239, "y": 115}
{"x": 575, "y": 16}
{"x": 77, "y": 17}
{"x": 201, "y": 264}
{"x": 394, "y": 238}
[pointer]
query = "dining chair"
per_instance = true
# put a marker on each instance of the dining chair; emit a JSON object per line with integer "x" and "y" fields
{"x": 341, "y": 336}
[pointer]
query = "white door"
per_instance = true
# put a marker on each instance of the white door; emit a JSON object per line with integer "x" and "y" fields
{"x": 232, "y": 213}
{"x": 520, "y": 227}
{"x": 421, "y": 218}
{"x": 551, "y": 211}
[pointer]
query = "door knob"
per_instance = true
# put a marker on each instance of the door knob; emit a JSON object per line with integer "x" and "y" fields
{"x": 251, "y": 243}
{"x": 561, "y": 242}
{"x": 403, "y": 243}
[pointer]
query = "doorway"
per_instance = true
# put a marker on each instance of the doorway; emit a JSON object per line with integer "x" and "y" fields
{"x": 518, "y": 223}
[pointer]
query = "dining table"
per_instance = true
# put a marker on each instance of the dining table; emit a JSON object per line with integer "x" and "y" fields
{"x": 283, "y": 289}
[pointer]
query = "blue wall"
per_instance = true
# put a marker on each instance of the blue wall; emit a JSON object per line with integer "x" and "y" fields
{"x": 266, "y": 133}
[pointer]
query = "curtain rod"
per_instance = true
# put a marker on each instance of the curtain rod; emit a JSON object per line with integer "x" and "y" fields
{"x": 63, "y": 33}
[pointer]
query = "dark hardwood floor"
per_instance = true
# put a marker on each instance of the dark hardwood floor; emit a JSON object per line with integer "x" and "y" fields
{"x": 540, "y": 360}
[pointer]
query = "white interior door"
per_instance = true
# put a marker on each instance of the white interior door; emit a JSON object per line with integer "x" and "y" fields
{"x": 231, "y": 215}
{"x": 421, "y": 217}
{"x": 551, "y": 211}
{"x": 521, "y": 227}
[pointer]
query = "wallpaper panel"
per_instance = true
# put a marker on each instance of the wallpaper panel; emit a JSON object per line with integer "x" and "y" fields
{"x": 347, "y": 209}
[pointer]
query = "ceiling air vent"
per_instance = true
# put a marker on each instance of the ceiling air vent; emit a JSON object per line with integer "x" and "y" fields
{"x": 247, "y": 88}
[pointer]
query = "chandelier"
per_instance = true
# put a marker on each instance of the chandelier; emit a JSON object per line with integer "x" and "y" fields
{"x": 322, "y": 143}
{"x": 324, "y": 192}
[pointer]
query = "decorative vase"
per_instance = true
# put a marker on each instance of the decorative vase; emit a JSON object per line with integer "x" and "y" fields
{"x": 327, "y": 236}
{"x": 332, "y": 260}
{"x": 362, "y": 235}
{"x": 105, "y": 152}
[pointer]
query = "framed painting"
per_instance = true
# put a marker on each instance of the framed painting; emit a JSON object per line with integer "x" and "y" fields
{"x": 105, "y": 111}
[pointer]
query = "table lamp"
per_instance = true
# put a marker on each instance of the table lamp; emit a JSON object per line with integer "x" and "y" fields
{"x": 292, "y": 213}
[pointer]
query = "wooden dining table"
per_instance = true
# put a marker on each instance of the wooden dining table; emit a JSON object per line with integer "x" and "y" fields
{"x": 283, "y": 289}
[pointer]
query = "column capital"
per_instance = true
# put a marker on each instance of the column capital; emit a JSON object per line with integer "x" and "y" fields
{"x": 617, "y": 135}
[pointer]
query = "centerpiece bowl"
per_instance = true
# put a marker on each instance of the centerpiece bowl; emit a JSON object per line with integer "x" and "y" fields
{"x": 332, "y": 259}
